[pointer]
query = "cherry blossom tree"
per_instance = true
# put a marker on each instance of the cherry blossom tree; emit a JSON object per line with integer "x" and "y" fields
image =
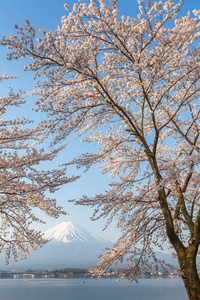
{"x": 131, "y": 86}
{"x": 22, "y": 185}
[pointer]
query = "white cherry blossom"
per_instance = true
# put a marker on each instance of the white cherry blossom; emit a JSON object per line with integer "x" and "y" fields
{"x": 131, "y": 86}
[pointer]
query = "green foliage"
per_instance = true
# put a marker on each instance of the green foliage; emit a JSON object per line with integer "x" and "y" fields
{"x": 74, "y": 271}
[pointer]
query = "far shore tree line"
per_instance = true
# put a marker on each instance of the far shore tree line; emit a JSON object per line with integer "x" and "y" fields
{"x": 80, "y": 273}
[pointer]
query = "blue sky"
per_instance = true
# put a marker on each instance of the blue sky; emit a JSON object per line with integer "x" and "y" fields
{"x": 47, "y": 14}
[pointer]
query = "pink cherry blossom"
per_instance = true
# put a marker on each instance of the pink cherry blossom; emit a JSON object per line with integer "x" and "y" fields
{"x": 131, "y": 86}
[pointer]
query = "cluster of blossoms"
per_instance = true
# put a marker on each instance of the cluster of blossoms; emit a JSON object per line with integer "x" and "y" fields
{"x": 22, "y": 185}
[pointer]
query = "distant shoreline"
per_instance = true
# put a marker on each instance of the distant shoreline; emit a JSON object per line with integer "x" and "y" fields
{"x": 76, "y": 273}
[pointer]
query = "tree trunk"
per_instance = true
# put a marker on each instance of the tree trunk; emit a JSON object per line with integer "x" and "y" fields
{"x": 187, "y": 261}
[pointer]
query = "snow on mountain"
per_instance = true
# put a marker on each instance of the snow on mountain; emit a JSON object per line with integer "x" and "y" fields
{"x": 68, "y": 232}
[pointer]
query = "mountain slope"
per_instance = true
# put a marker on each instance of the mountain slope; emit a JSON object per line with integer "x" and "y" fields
{"x": 69, "y": 246}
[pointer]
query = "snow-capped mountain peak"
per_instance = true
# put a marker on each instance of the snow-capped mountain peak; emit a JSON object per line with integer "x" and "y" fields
{"x": 70, "y": 246}
{"x": 68, "y": 232}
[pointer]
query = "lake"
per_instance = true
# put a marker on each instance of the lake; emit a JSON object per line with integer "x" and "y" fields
{"x": 92, "y": 289}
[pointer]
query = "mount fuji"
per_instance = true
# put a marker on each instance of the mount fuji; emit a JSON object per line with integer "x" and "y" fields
{"x": 69, "y": 246}
{"x": 68, "y": 232}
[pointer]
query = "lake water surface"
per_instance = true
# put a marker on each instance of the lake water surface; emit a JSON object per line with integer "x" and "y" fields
{"x": 92, "y": 289}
